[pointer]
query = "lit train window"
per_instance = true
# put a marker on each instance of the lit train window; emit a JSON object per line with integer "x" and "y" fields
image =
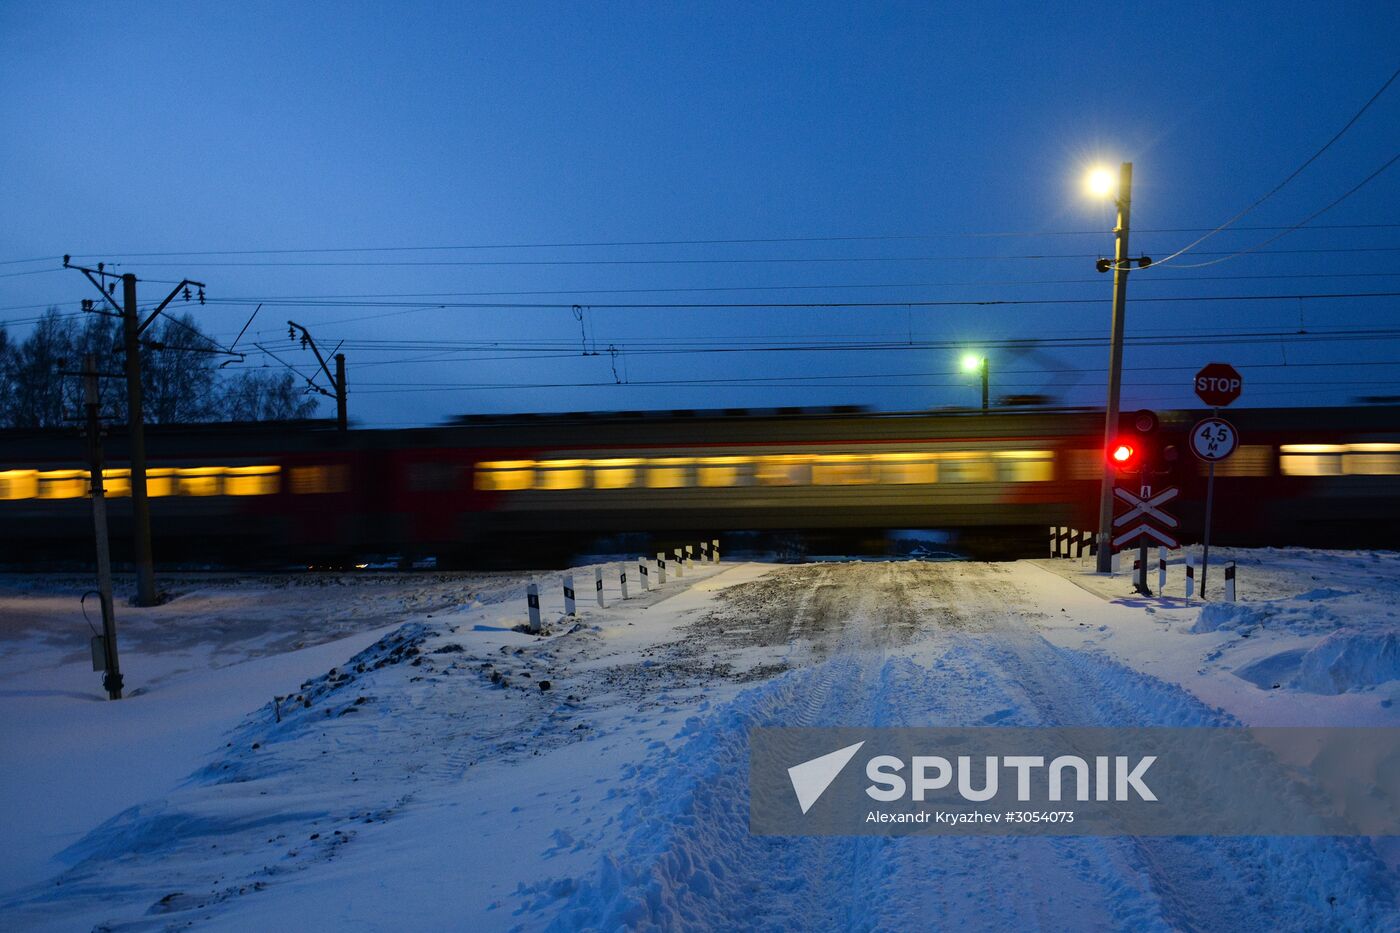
{"x": 668, "y": 473}
{"x": 561, "y": 474}
{"x": 117, "y": 483}
{"x": 160, "y": 482}
{"x": 967, "y": 467}
{"x": 63, "y": 484}
{"x": 1371, "y": 460}
{"x": 720, "y": 471}
{"x": 250, "y": 481}
{"x": 19, "y": 484}
{"x": 504, "y": 475}
{"x": 1025, "y": 466}
{"x": 615, "y": 473}
{"x": 906, "y": 469}
{"x": 782, "y": 470}
{"x": 842, "y": 470}
{"x": 311, "y": 480}
{"x": 199, "y": 481}
{"x": 1310, "y": 459}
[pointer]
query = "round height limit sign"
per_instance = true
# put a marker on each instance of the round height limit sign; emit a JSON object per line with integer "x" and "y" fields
{"x": 1214, "y": 439}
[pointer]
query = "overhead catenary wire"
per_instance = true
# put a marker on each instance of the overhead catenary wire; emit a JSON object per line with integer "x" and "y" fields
{"x": 612, "y": 244}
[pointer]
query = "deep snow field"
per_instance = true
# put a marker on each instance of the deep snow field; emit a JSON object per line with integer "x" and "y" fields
{"x": 426, "y": 766}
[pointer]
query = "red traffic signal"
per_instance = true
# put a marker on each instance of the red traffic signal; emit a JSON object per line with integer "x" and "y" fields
{"x": 1123, "y": 455}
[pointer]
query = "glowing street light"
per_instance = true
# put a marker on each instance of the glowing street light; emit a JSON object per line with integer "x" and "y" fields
{"x": 971, "y": 363}
{"x": 1100, "y": 183}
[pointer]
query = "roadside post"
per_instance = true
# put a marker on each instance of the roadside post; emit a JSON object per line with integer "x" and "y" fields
{"x": 704, "y": 552}
{"x": 1229, "y": 581}
{"x": 1214, "y": 439}
{"x": 623, "y": 573}
{"x": 569, "y": 606}
{"x": 104, "y": 646}
{"x": 642, "y": 573}
{"x": 690, "y": 553}
{"x": 660, "y": 568}
{"x": 532, "y": 599}
{"x": 1161, "y": 571}
{"x": 1190, "y": 575}
{"x": 680, "y": 562}
{"x": 714, "y": 550}
{"x": 598, "y": 585}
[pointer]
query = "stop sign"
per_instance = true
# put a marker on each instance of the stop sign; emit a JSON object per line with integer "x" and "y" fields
{"x": 1218, "y": 384}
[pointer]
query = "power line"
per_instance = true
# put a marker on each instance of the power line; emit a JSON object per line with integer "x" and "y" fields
{"x": 1292, "y": 175}
{"x": 612, "y": 244}
{"x": 1257, "y": 248}
{"x": 750, "y": 260}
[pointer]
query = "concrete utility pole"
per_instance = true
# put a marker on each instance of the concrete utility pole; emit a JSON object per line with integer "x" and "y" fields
{"x": 1115, "y": 362}
{"x": 136, "y": 441}
{"x": 337, "y": 379}
{"x": 132, "y": 328}
{"x": 112, "y": 673}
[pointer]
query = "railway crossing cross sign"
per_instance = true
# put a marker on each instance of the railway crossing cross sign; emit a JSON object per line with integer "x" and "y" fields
{"x": 1143, "y": 510}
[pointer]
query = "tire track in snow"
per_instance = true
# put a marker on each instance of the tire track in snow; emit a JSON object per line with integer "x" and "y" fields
{"x": 690, "y": 862}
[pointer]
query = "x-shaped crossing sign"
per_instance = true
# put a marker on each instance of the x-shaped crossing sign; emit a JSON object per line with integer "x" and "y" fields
{"x": 1146, "y": 506}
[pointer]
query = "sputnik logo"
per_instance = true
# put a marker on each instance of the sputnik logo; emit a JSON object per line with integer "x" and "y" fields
{"x": 811, "y": 778}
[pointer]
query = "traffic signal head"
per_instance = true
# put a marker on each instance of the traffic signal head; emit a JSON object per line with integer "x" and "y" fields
{"x": 1134, "y": 449}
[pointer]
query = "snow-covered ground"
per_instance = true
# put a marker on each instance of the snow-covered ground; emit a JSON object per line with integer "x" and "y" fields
{"x": 432, "y": 768}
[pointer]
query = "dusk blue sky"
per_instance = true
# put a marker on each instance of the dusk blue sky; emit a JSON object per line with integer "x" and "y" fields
{"x": 194, "y": 127}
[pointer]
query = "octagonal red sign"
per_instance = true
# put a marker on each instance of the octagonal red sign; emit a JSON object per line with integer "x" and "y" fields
{"x": 1218, "y": 384}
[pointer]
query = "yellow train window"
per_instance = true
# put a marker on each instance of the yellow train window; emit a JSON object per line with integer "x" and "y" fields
{"x": 19, "y": 484}
{"x": 251, "y": 481}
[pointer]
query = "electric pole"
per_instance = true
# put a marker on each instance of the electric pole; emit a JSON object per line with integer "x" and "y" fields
{"x": 132, "y": 328}
{"x": 1120, "y": 265}
{"x": 337, "y": 378}
{"x": 985, "y": 380}
{"x": 112, "y": 673}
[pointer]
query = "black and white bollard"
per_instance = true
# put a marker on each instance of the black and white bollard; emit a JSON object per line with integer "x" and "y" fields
{"x": 690, "y": 553}
{"x": 704, "y": 552}
{"x": 570, "y": 609}
{"x": 680, "y": 562}
{"x": 598, "y": 585}
{"x": 1190, "y": 575}
{"x": 660, "y": 568}
{"x": 532, "y": 599}
{"x": 1161, "y": 571}
{"x": 1054, "y": 542}
{"x": 624, "y": 581}
{"x": 714, "y": 551}
{"x": 1229, "y": 581}
{"x": 642, "y": 574}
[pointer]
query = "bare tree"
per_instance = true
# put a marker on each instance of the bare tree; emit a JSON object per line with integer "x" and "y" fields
{"x": 265, "y": 395}
{"x": 181, "y": 380}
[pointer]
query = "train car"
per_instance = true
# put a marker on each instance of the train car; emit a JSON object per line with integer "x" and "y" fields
{"x": 503, "y": 489}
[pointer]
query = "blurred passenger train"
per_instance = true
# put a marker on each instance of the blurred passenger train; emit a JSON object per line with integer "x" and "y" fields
{"x": 532, "y": 488}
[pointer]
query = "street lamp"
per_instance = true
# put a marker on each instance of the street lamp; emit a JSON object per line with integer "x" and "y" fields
{"x": 1100, "y": 183}
{"x": 972, "y": 363}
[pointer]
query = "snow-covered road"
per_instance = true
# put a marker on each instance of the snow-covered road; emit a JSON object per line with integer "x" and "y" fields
{"x": 430, "y": 782}
{"x": 948, "y": 645}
